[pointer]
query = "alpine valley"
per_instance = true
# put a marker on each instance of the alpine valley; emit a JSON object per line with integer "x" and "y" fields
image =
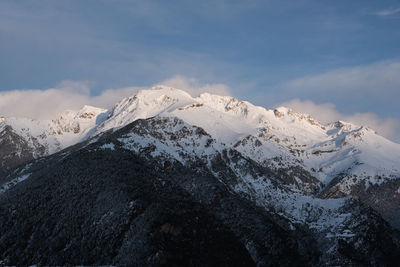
{"x": 167, "y": 179}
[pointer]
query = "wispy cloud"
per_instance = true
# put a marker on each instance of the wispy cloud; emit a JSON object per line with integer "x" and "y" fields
{"x": 57, "y": 41}
{"x": 378, "y": 80}
{"x": 388, "y": 12}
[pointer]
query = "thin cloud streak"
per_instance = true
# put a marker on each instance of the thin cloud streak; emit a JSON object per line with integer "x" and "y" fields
{"x": 388, "y": 12}
{"x": 369, "y": 88}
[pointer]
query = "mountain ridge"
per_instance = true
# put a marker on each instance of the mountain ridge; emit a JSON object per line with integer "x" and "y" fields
{"x": 225, "y": 118}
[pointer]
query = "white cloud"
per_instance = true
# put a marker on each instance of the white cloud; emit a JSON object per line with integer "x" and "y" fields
{"x": 193, "y": 87}
{"x": 388, "y": 12}
{"x": 44, "y": 104}
{"x": 380, "y": 80}
{"x": 327, "y": 113}
{"x": 376, "y": 85}
{"x": 67, "y": 95}
{"x": 39, "y": 103}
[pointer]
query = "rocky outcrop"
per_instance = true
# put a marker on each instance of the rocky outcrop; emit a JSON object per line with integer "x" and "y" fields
{"x": 15, "y": 150}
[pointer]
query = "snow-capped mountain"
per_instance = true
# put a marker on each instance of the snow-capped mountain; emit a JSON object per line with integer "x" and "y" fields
{"x": 241, "y": 163}
{"x": 276, "y": 138}
{"x": 332, "y": 160}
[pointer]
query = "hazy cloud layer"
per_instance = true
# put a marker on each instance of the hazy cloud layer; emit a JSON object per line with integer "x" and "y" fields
{"x": 73, "y": 95}
{"x": 327, "y": 113}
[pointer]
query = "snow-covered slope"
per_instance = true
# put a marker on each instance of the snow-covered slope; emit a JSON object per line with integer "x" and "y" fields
{"x": 22, "y": 139}
{"x": 169, "y": 140}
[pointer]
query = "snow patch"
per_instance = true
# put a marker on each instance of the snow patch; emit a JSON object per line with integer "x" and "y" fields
{"x": 108, "y": 146}
{"x": 6, "y": 186}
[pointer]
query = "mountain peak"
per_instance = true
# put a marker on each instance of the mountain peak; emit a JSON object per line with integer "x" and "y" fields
{"x": 89, "y": 112}
{"x": 281, "y": 111}
{"x": 343, "y": 126}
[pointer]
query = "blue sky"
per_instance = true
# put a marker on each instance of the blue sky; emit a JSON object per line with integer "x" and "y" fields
{"x": 344, "y": 54}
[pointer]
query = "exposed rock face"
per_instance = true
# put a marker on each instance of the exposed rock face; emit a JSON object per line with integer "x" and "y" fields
{"x": 15, "y": 150}
{"x": 384, "y": 198}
